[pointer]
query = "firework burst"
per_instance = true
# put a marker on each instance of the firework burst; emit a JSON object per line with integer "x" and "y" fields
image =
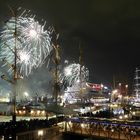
{"x": 74, "y": 78}
{"x": 72, "y": 75}
{"x": 32, "y": 41}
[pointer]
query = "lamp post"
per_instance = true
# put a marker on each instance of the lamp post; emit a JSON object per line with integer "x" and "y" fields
{"x": 126, "y": 88}
{"x": 26, "y": 95}
{"x": 120, "y": 88}
{"x": 102, "y": 86}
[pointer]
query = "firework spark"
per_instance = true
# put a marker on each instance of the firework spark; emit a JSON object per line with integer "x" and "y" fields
{"x": 33, "y": 43}
{"x": 72, "y": 75}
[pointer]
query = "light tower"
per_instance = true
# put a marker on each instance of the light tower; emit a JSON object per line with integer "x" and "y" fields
{"x": 137, "y": 83}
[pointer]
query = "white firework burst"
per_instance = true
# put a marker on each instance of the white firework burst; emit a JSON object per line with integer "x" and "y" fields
{"x": 32, "y": 41}
{"x": 74, "y": 81}
{"x": 72, "y": 75}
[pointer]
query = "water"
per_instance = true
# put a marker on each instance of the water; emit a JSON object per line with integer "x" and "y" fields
{"x": 75, "y": 137}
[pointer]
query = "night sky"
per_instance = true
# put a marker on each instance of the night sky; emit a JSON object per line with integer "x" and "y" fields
{"x": 107, "y": 30}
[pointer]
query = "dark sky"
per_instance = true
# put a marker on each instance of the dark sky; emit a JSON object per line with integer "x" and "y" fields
{"x": 108, "y": 31}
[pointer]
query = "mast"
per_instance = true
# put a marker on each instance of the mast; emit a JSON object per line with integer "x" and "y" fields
{"x": 137, "y": 83}
{"x": 81, "y": 74}
{"x": 56, "y": 59}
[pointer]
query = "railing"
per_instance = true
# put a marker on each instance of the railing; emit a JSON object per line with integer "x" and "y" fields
{"x": 108, "y": 129}
{"x": 84, "y": 126}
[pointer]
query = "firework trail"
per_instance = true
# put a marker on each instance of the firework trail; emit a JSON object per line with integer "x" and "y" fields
{"x": 33, "y": 43}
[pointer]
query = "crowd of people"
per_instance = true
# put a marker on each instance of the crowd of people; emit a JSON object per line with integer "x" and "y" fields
{"x": 7, "y": 128}
{"x": 99, "y": 114}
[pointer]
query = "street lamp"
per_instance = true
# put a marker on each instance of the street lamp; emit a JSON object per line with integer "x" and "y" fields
{"x": 126, "y": 88}
{"x": 40, "y": 134}
{"x": 26, "y": 94}
{"x": 120, "y": 88}
{"x": 102, "y": 86}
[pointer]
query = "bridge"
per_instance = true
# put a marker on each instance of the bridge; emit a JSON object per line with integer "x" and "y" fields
{"x": 105, "y": 128}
